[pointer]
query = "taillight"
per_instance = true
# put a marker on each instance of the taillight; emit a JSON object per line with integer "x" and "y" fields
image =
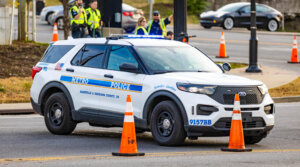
{"x": 35, "y": 70}
{"x": 128, "y": 13}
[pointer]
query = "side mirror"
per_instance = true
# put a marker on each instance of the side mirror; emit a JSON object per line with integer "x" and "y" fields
{"x": 226, "y": 66}
{"x": 129, "y": 67}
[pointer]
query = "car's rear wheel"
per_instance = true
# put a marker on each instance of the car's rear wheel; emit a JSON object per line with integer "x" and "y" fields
{"x": 228, "y": 23}
{"x": 254, "y": 139}
{"x": 60, "y": 23}
{"x": 272, "y": 25}
{"x": 57, "y": 115}
{"x": 49, "y": 18}
{"x": 166, "y": 124}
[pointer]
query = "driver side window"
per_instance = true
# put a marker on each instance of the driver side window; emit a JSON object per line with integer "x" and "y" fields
{"x": 119, "y": 55}
{"x": 245, "y": 9}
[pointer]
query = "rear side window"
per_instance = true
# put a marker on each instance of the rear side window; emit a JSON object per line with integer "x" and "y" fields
{"x": 55, "y": 53}
{"x": 91, "y": 56}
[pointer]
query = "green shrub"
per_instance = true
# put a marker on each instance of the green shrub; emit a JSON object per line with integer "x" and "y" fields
{"x": 195, "y": 7}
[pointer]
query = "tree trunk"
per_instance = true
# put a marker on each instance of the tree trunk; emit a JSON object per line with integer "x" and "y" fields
{"x": 66, "y": 18}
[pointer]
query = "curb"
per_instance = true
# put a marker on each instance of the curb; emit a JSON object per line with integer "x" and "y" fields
{"x": 286, "y": 99}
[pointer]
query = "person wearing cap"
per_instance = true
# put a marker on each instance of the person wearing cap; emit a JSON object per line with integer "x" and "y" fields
{"x": 141, "y": 30}
{"x": 93, "y": 19}
{"x": 157, "y": 26}
{"x": 78, "y": 20}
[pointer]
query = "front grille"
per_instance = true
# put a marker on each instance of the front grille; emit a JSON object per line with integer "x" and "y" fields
{"x": 225, "y": 95}
{"x": 256, "y": 122}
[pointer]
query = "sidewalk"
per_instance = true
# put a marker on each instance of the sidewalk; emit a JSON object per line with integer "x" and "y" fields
{"x": 272, "y": 77}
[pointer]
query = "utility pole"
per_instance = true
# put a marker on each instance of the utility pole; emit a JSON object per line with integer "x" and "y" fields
{"x": 151, "y": 2}
{"x": 180, "y": 9}
{"x": 253, "y": 68}
{"x": 22, "y": 20}
{"x": 34, "y": 20}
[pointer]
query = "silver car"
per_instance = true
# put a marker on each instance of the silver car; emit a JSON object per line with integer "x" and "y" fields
{"x": 130, "y": 16}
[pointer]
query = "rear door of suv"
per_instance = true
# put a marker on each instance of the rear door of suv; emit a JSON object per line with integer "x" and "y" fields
{"x": 84, "y": 78}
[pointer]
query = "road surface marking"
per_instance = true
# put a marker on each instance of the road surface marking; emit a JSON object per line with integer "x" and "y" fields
{"x": 240, "y": 41}
{"x": 159, "y": 154}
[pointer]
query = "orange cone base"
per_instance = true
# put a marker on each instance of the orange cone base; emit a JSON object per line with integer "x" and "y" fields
{"x": 293, "y": 62}
{"x": 128, "y": 154}
{"x": 222, "y": 57}
{"x": 236, "y": 150}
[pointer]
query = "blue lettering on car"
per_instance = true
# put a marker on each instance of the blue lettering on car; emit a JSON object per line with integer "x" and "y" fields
{"x": 102, "y": 83}
{"x": 200, "y": 122}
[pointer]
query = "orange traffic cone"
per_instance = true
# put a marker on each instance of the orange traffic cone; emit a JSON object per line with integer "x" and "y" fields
{"x": 222, "y": 51}
{"x": 55, "y": 33}
{"x": 128, "y": 141}
{"x": 294, "y": 57}
{"x": 236, "y": 138}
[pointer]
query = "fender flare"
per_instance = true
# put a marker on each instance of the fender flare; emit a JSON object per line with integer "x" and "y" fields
{"x": 59, "y": 85}
{"x": 170, "y": 95}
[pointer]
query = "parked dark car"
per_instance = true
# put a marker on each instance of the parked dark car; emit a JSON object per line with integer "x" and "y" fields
{"x": 238, "y": 15}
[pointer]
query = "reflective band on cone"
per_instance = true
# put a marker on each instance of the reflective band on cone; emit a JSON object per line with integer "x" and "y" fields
{"x": 222, "y": 50}
{"x": 294, "y": 55}
{"x": 236, "y": 138}
{"x": 55, "y": 33}
{"x": 128, "y": 140}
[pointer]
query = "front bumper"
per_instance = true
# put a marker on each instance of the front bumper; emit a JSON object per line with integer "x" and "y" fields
{"x": 36, "y": 107}
{"x": 211, "y": 22}
{"x": 212, "y": 131}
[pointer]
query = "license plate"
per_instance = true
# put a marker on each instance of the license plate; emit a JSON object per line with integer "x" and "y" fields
{"x": 246, "y": 117}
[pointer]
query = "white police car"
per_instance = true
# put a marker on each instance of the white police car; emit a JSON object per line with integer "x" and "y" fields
{"x": 176, "y": 90}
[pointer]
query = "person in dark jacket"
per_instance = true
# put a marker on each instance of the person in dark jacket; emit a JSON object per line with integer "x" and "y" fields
{"x": 157, "y": 26}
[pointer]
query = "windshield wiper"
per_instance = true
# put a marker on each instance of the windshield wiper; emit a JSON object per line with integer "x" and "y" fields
{"x": 162, "y": 72}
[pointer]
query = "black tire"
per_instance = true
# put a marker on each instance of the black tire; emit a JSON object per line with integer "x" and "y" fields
{"x": 48, "y": 17}
{"x": 228, "y": 23}
{"x": 207, "y": 27}
{"x": 60, "y": 23}
{"x": 57, "y": 115}
{"x": 163, "y": 113}
{"x": 254, "y": 139}
{"x": 272, "y": 25}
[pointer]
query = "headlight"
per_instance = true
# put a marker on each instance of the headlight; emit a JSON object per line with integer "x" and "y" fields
{"x": 263, "y": 89}
{"x": 194, "y": 88}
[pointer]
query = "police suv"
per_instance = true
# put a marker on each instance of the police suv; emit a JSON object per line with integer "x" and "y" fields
{"x": 176, "y": 90}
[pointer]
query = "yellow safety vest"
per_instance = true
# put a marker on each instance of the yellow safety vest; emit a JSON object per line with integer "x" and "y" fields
{"x": 94, "y": 19}
{"x": 162, "y": 26}
{"x": 81, "y": 19}
{"x": 143, "y": 28}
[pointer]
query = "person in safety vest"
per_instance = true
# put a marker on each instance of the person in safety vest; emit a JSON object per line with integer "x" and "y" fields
{"x": 78, "y": 20}
{"x": 94, "y": 19}
{"x": 141, "y": 24}
{"x": 157, "y": 26}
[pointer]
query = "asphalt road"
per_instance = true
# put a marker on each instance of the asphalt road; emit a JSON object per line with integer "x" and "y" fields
{"x": 25, "y": 141}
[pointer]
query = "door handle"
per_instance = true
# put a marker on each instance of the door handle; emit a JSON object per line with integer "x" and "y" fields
{"x": 108, "y": 76}
{"x": 70, "y": 70}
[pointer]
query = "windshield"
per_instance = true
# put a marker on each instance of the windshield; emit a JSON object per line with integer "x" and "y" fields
{"x": 231, "y": 7}
{"x": 175, "y": 59}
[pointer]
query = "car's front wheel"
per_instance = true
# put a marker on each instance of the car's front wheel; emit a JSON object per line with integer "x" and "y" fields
{"x": 57, "y": 115}
{"x": 272, "y": 25}
{"x": 60, "y": 23}
{"x": 167, "y": 125}
{"x": 228, "y": 23}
